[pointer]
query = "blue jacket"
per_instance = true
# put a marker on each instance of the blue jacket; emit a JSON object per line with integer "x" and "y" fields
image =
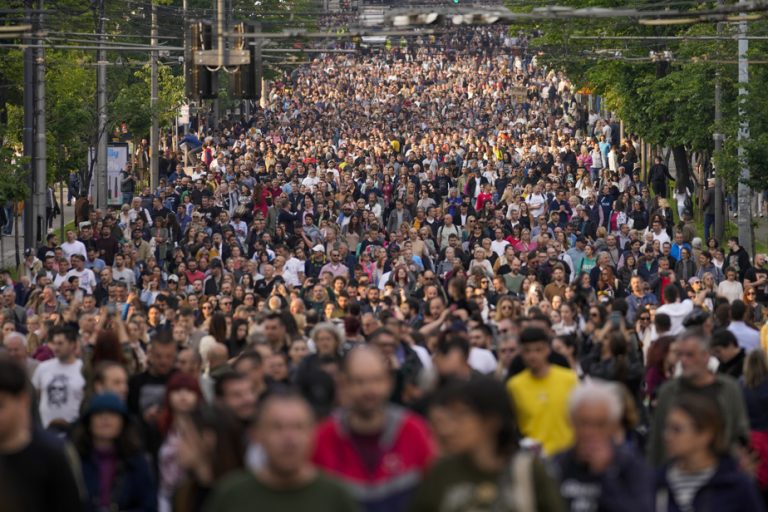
{"x": 134, "y": 488}
{"x": 728, "y": 490}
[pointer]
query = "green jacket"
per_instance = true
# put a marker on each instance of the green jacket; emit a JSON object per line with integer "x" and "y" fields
{"x": 729, "y": 397}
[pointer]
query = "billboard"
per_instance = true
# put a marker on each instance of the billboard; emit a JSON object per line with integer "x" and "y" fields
{"x": 117, "y": 157}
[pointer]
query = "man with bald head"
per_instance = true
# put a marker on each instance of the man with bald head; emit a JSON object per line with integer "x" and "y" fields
{"x": 369, "y": 323}
{"x": 370, "y": 436}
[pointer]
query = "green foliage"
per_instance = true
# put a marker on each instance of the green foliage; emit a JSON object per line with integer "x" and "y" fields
{"x": 13, "y": 173}
{"x": 132, "y": 103}
{"x": 670, "y": 104}
{"x": 71, "y": 107}
{"x": 71, "y": 117}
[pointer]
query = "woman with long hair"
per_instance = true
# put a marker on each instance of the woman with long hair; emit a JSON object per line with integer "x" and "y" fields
{"x": 585, "y": 293}
{"x": 238, "y": 339}
{"x": 506, "y": 309}
{"x": 614, "y": 363}
{"x": 534, "y": 296}
{"x": 569, "y": 320}
{"x": 526, "y": 244}
{"x": 627, "y": 271}
{"x": 701, "y": 475}
{"x": 567, "y": 346}
{"x": 659, "y": 365}
{"x": 754, "y": 315}
{"x": 115, "y": 470}
{"x": 638, "y": 215}
{"x": 353, "y": 232}
{"x": 525, "y": 215}
{"x": 210, "y": 446}
{"x": 607, "y": 284}
{"x": 483, "y": 467}
{"x": 754, "y": 386}
{"x": 588, "y": 261}
{"x": 402, "y": 280}
{"x": 182, "y": 395}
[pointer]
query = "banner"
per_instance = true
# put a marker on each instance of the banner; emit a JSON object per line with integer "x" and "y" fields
{"x": 117, "y": 157}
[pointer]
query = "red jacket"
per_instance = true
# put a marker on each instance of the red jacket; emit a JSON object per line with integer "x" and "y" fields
{"x": 406, "y": 449}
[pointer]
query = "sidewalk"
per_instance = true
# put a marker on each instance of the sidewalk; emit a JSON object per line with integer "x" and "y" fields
{"x": 7, "y": 248}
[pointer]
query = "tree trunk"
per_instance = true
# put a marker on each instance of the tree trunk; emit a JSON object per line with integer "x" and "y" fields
{"x": 16, "y": 232}
{"x": 680, "y": 155}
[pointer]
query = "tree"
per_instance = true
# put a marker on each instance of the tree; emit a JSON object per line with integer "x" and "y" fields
{"x": 669, "y": 102}
{"x": 132, "y": 106}
{"x": 13, "y": 185}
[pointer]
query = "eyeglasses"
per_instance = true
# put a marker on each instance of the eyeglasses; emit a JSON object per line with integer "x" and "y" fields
{"x": 207, "y": 307}
{"x": 645, "y": 318}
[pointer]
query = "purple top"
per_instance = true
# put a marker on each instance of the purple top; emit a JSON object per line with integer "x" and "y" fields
{"x": 106, "y": 461}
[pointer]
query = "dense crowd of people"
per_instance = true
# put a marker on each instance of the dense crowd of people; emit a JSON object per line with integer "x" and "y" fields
{"x": 424, "y": 277}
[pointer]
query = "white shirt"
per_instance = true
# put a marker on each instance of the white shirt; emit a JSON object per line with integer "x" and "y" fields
{"x": 482, "y": 360}
{"x": 125, "y": 276}
{"x": 677, "y": 312}
{"x": 424, "y": 357}
{"x": 731, "y": 290}
{"x": 146, "y": 217}
{"x": 61, "y": 390}
{"x": 662, "y": 236}
{"x": 310, "y": 182}
{"x": 384, "y": 279}
{"x": 498, "y": 246}
{"x": 375, "y": 209}
{"x": 749, "y": 338}
{"x": 536, "y": 204}
{"x": 291, "y": 271}
{"x": 87, "y": 278}
{"x": 76, "y": 247}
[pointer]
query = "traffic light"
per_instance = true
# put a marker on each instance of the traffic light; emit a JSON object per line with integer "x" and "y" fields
{"x": 199, "y": 81}
{"x": 245, "y": 82}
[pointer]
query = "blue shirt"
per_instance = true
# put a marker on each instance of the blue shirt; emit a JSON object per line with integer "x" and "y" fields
{"x": 677, "y": 249}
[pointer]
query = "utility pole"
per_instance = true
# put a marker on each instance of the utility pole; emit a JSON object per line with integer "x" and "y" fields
{"x": 718, "y": 136}
{"x": 154, "y": 134}
{"x": 29, "y": 130}
{"x": 41, "y": 172}
{"x": 100, "y": 172}
{"x": 221, "y": 48}
{"x": 184, "y": 67}
{"x": 744, "y": 192}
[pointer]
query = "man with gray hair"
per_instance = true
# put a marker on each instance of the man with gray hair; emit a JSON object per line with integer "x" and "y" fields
{"x": 12, "y": 310}
{"x": 16, "y": 347}
{"x": 599, "y": 473}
